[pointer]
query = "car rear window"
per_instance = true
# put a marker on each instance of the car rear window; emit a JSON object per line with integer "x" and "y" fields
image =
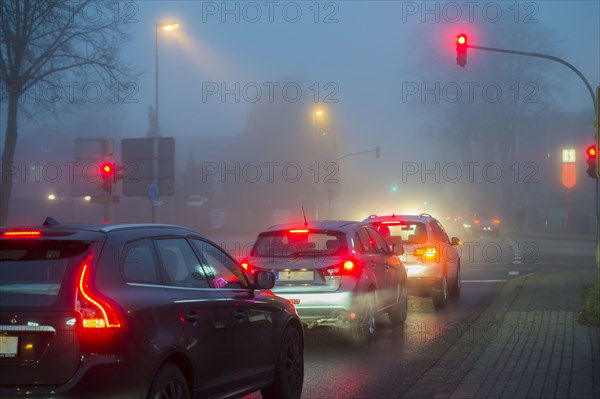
{"x": 32, "y": 271}
{"x": 290, "y": 244}
{"x": 411, "y": 232}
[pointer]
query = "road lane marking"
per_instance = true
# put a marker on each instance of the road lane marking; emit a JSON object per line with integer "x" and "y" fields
{"x": 482, "y": 281}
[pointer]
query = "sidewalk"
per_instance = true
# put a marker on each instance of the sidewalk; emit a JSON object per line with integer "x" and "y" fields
{"x": 553, "y": 235}
{"x": 532, "y": 346}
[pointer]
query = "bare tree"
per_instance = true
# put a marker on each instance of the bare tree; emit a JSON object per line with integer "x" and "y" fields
{"x": 483, "y": 106}
{"x": 46, "y": 43}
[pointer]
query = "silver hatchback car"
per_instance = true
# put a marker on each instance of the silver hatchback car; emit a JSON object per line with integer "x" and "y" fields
{"x": 336, "y": 273}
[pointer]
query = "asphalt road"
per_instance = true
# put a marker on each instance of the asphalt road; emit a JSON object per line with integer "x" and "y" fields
{"x": 398, "y": 357}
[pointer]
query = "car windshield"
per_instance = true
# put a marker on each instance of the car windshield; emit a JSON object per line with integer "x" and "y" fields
{"x": 32, "y": 272}
{"x": 291, "y": 244}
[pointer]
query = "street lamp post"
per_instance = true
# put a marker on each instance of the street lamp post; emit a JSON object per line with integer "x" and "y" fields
{"x": 168, "y": 26}
{"x": 315, "y": 113}
{"x": 155, "y": 131}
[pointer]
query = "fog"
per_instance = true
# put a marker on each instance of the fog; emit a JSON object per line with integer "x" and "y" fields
{"x": 343, "y": 109}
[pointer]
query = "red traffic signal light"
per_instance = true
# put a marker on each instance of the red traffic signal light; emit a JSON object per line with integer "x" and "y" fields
{"x": 107, "y": 170}
{"x": 461, "y": 50}
{"x": 591, "y": 153}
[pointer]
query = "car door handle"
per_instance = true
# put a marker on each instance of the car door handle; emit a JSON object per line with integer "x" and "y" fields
{"x": 239, "y": 314}
{"x": 191, "y": 316}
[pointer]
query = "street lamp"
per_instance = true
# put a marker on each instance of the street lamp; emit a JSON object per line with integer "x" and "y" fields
{"x": 316, "y": 113}
{"x": 166, "y": 26}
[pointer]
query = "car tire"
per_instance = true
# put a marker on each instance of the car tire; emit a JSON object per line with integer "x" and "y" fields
{"x": 364, "y": 329}
{"x": 398, "y": 314}
{"x": 289, "y": 370}
{"x": 454, "y": 290}
{"x": 440, "y": 294}
{"x": 169, "y": 382}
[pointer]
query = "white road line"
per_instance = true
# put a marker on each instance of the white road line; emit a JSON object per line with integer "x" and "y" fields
{"x": 482, "y": 281}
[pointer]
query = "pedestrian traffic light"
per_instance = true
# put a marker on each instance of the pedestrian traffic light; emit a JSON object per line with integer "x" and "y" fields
{"x": 591, "y": 161}
{"x": 108, "y": 172}
{"x": 461, "y": 50}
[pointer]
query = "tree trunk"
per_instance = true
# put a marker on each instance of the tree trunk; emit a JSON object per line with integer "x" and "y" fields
{"x": 8, "y": 155}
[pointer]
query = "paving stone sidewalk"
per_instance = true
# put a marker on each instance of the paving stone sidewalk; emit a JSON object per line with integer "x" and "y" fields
{"x": 528, "y": 345}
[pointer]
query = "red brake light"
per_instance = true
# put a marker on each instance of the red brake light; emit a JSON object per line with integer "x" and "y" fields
{"x": 246, "y": 266}
{"x": 476, "y": 221}
{"x": 496, "y": 221}
{"x": 348, "y": 267}
{"x": 21, "y": 234}
{"x": 298, "y": 231}
{"x": 95, "y": 311}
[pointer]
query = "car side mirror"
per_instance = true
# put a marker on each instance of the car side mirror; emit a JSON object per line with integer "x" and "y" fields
{"x": 397, "y": 249}
{"x": 455, "y": 241}
{"x": 264, "y": 279}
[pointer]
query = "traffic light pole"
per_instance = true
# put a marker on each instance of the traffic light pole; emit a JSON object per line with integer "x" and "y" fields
{"x": 546, "y": 56}
{"x": 595, "y": 103}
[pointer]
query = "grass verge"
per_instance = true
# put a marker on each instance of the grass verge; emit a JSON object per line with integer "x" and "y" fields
{"x": 590, "y": 314}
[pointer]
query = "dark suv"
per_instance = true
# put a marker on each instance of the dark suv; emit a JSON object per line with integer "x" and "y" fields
{"x": 139, "y": 311}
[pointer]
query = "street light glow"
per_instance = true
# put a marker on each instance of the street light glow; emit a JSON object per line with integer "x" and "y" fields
{"x": 170, "y": 26}
{"x": 51, "y": 197}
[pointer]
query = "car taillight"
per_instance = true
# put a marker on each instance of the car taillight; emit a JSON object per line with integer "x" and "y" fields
{"x": 346, "y": 268}
{"x": 246, "y": 266}
{"x": 427, "y": 252}
{"x": 95, "y": 311}
{"x": 475, "y": 221}
{"x": 22, "y": 234}
{"x": 496, "y": 221}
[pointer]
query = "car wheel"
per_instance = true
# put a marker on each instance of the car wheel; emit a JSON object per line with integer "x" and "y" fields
{"x": 289, "y": 370}
{"x": 454, "y": 289}
{"x": 398, "y": 314}
{"x": 363, "y": 330}
{"x": 440, "y": 294}
{"x": 169, "y": 383}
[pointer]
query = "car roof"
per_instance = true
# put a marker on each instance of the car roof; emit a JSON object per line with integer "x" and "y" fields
{"x": 318, "y": 225}
{"x": 379, "y": 218}
{"x": 52, "y": 228}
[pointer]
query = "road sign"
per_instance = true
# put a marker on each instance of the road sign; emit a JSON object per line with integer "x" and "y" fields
{"x": 569, "y": 167}
{"x": 148, "y": 161}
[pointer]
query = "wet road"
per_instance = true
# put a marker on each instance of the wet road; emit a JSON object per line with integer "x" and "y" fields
{"x": 388, "y": 366}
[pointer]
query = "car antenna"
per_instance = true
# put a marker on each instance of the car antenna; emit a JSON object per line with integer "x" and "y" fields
{"x": 304, "y": 214}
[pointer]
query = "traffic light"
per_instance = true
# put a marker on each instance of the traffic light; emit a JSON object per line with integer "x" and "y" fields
{"x": 461, "y": 50}
{"x": 108, "y": 173}
{"x": 591, "y": 161}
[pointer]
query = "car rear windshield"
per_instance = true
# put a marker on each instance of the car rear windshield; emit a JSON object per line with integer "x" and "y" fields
{"x": 32, "y": 271}
{"x": 287, "y": 243}
{"x": 411, "y": 232}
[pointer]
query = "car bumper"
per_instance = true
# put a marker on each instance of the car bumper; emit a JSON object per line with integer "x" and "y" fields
{"x": 323, "y": 308}
{"x": 422, "y": 277}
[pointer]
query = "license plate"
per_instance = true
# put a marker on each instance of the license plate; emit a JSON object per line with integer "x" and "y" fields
{"x": 295, "y": 275}
{"x": 8, "y": 346}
